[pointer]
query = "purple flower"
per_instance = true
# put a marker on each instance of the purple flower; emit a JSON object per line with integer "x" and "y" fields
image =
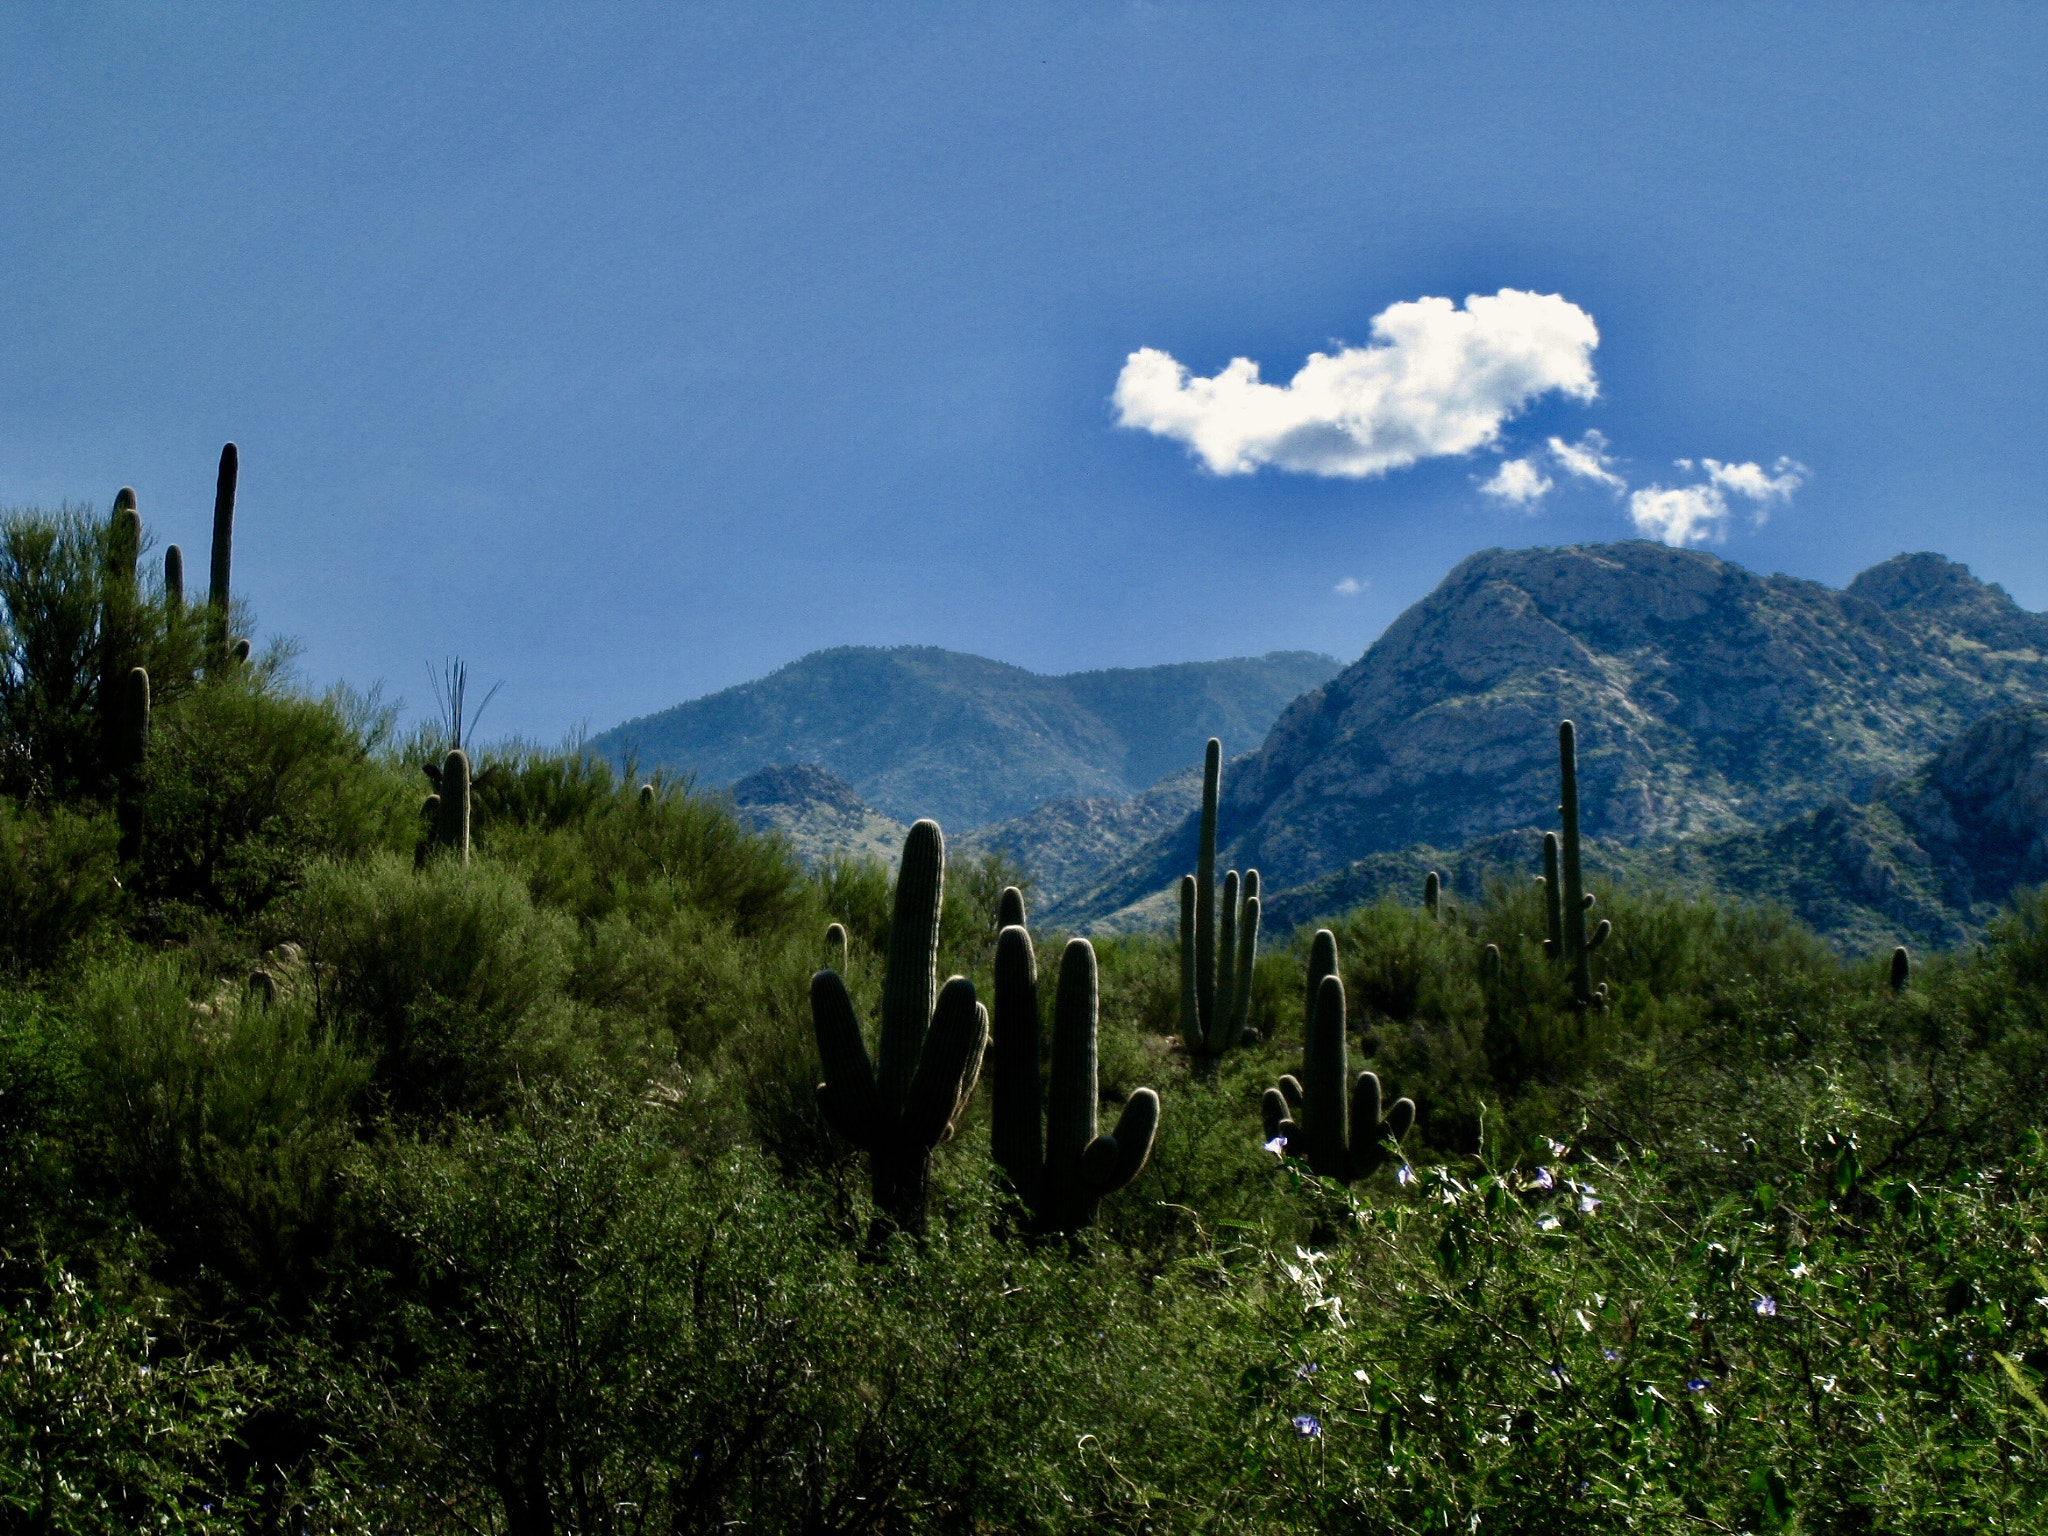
{"x": 1406, "y": 1175}
{"x": 1588, "y": 1205}
{"x": 1305, "y": 1370}
{"x": 1697, "y": 1384}
{"x": 1277, "y": 1146}
{"x": 1545, "y": 1179}
{"x": 1308, "y": 1426}
{"x": 1765, "y": 1306}
{"x": 1610, "y": 1354}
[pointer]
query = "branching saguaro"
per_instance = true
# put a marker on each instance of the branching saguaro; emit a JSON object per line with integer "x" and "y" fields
{"x": 1044, "y": 1135}
{"x": 901, "y": 1105}
{"x": 1216, "y": 959}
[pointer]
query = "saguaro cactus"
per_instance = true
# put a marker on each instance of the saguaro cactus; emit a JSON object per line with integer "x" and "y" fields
{"x": 1553, "y": 902}
{"x": 451, "y": 814}
{"x": 131, "y": 748}
{"x": 838, "y": 949}
{"x": 1063, "y": 1177}
{"x": 1433, "y": 894}
{"x": 1574, "y": 900}
{"x": 1337, "y": 1126}
{"x": 1215, "y": 968}
{"x": 1902, "y": 969}
{"x": 219, "y": 594}
{"x": 906, "y": 1102}
{"x": 174, "y": 579}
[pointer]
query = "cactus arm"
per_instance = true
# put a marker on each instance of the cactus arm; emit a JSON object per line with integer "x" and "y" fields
{"x": 848, "y": 1093}
{"x": 1247, "y": 960}
{"x": 1010, "y": 909}
{"x": 174, "y": 578}
{"x": 1274, "y": 1111}
{"x": 971, "y": 1076}
{"x": 1574, "y": 893}
{"x": 224, "y": 532}
{"x": 1225, "y": 1002}
{"x": 1111, "y": 1162}
{"x": 1400, "y": 1116}
{"x": 1205, "y": 893}
{"x": 1016, "y": 1108}
{"x": 1326, "y": 1111}
{"x": 1191, "y": 1034}
{"x": 1290, "y": 1091}
{"x": 945, "y": 1067}
{"x": 1366, "y": 1123}
{"x": 910, "y": 984}
{"x": 1599, "y": 935}
{"x": 1070, "y": 1121}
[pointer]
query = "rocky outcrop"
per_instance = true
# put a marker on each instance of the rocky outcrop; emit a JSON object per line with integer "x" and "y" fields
{"x": 1065, "y": 844}
{"x": 820, "y": 814}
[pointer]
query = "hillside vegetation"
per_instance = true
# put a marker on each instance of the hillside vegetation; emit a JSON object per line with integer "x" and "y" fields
{"x": 366, "y": 1169}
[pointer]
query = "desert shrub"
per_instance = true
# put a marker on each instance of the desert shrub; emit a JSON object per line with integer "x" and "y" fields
{"x": 450, "y": 977}
{"x": 106, "y": 1425}
{"x": 57, "y": 883}
{"x": 247, "y": 784}
{"x": 218, "y": 1117}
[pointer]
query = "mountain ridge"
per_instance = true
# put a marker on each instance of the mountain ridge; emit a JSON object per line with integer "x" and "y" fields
{"x": 921, "y": 731}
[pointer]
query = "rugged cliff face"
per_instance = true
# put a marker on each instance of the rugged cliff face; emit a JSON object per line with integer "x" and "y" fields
{"x": 1709, "y": 700}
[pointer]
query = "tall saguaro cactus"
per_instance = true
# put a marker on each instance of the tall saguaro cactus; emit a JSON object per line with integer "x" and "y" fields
{"x": 904, "y": 1103}
{"x": 1570, "y": 904}
{"x": 1063, "y": 1177}
{"x": 1215, "y": 967}
{"x": 118, "y": 625}
{"x": 451, "y": 809}
{"x": 1335, "y": 1125}
{"x": 219, "y": 594}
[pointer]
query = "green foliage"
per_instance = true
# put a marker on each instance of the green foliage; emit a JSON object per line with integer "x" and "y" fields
{"x": 57, "y": 883}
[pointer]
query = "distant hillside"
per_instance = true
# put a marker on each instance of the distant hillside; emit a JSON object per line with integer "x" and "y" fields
{"x": 820, "y": 813}
{"x": 1066, "y": 844}
{"x": 919, "y": 731}
{"x": 1710, "y": 700}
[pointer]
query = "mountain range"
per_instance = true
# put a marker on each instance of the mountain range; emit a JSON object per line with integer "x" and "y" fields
{"x": 919, "y": 731}
{"x": 1710, "y": 700}
{"x": 1874, "y": 757}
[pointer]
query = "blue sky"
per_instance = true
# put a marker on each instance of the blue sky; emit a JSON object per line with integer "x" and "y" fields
{"x": 630, "y": 352}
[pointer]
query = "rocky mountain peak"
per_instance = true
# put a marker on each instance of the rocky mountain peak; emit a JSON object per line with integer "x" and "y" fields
{"x": 1927, "y": 582}
{"x": 798, "y": 785}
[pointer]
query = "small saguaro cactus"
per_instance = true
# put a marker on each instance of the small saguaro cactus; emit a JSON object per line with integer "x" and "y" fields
{"x": 1337, "y": 1126}
{"x": 1062, "y": 1177}
{"x": 218, "y": 595}
{"x": 451, "y": 803}
{"x": 646, "y": 797}
{"x": 1433, "y": 895}
{"x": 1902, "y": 969}
{"x": 1215, "y": 966}
{"x": 1572, "y": 901}
{"x": 131, "y": 748}
{"x": 174, "y": 579}
{"x": 1010, "y": 909}
{"x": 838, "y": 949}
{"x": 906, "y": 1102}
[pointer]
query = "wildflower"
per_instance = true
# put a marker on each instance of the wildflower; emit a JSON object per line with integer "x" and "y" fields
{"x": 1277, "y": 1146}
{"x": 1697, "y": 1384}
{"x": 1308, "y": 1426}
{"x": 1305, "y": 1370}
{"x": 1548, "y": 1224}
{"x": 1545, "y": 1179}
{"x": 1588, "y": 1205}
{"x": 1406, "y": 1175}
{"x": 1765, "y": 1306}
{"x": 1608, "y": 1352}
{"x": 1358, "y": 1376}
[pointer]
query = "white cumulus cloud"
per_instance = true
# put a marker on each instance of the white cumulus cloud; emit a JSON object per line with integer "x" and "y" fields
{"x": 1757, "y": 484}
{"x": 1438, "y": 380}
{"x": 1350, "y": 586}
{"x": 1518, "y": 482}
{"x": 1685, "y": 514}
{"x": 1588, "y": 459}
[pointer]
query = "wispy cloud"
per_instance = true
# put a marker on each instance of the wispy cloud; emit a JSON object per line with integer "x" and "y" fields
{"x": 1695, "y": 514}
{"x": 1439, "y": 380}
{"x": 1518, "y": 482}
{"x": 1588, "y": 459}
{"x": 1350, "y": 586}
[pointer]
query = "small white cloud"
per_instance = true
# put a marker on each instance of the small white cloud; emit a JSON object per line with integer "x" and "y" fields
{"x": 1760, "y": 486}
{"x": 1518, "y": 482}
{"x": 1350, "y": 586}
{"x": 1686, "y": 514}
{"x": 1588, "y": 459}
{"x": 1439, "y": 381}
